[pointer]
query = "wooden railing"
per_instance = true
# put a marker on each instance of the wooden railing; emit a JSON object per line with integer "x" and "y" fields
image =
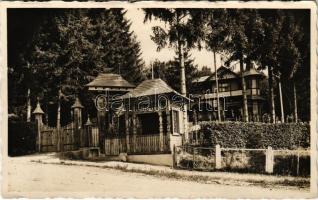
{"x": 94, "y": 137}
{"x": 139, "y": 144}
{"x": 115, "y": 145}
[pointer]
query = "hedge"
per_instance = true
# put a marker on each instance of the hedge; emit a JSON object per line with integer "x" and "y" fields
{"x": 21, "y": 138}
{"x": 255, "y": 135}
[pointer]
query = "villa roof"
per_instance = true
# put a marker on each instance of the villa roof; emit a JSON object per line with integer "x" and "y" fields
{"x": 226, "y": 73}
{"x": 150, "y": 87}
{"x": 110, "y": 80}
{"x": 223, "y": 73}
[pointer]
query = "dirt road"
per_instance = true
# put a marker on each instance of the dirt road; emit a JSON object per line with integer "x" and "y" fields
{"x": 43, "y": 180}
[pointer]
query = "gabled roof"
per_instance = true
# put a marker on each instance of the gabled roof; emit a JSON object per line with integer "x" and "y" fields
{"x": 110, "y": 80}
{"x": 150, "y": 87}
{"x": 224, "y": 73}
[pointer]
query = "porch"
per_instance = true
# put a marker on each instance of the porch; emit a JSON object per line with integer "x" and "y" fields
{"x": 140, "y": 133}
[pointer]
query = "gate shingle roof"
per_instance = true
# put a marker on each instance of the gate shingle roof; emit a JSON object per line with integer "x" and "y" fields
{"x": 110, "y": 80}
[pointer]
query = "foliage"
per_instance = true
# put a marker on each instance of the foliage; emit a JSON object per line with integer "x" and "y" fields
{"x": 256, "y": 135}
{"x": 273, "y": 39}
{"x": 21, "y": 137}
{"x": 180, "y": 27}
{"x": 285, "y": 49}
{"x": 205, "y": 71}
{"x": 70, "y": 48}
{"x": 181, "y": 34}
{"x": 169, "y": 72}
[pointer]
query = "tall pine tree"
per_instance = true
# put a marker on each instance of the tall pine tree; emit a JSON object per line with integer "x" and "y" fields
{"x": 71, "y": 46}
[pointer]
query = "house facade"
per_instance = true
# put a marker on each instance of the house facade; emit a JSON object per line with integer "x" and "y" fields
{"x": 230, "y": 95}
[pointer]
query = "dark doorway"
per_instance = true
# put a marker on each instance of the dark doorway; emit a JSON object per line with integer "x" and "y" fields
{"x": 149, "y": 123}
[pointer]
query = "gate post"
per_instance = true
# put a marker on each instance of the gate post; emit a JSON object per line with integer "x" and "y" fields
{"x": 38, "y": 114}
{"x": 88, "y": 125}
{"x": 77, "y": 112}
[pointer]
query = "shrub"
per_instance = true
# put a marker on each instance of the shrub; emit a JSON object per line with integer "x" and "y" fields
{"x": 255, "y": 135}
{"x": 287, "y": 165}
{"x": 21, "y": 137}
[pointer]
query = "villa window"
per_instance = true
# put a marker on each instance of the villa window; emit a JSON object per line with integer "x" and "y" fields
{"x": 224, "y": 87}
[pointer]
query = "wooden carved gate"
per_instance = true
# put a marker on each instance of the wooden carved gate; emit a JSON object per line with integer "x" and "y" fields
{"x": 49, "y": 137}
{"x": 68, "y": 137}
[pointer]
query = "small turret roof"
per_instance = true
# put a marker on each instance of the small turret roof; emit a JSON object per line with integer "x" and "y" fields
{"x": 77, "y": 104}
{"x": 38, "y": 109}
{"x": 88, "y": 122}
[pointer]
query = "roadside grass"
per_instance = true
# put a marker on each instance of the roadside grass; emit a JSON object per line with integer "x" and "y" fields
{"x": 299, "y": 183}
{"x": 218, "y": 180}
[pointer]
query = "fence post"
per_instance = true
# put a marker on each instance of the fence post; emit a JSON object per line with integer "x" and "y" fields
{"x": 218, "y": 158}
{"x": 134, "y": 124}
{"x": 193, "y": 158}
{"x": 269, "y": 164}
{"x": 127, "y": 132}
{"x": 174, "y": 157}
{"x": 77, "y": 111}
{"x": 298, "y": 162}
{"x": 38, "y": 114}
{"x": 161, "y": 142}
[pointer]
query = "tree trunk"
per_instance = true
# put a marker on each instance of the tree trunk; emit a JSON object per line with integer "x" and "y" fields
{"x": 295, "y": 105}
{"x": 28, "y": 106}
{"x": 281, "y": 101}
{"x": 183, "y": 88}
{"x": 271, "y": 94}
{"x": 245, "y": 110}
{"x": 58, "y": 124}
{"x": 217, "y": 88}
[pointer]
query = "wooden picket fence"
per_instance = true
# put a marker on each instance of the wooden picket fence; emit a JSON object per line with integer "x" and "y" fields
{"x": 139, "y": 144}
{"x": 115, "y": 145}
{"x": 94, "y": 137}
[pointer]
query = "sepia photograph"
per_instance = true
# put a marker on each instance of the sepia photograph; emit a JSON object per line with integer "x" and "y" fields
{"x": 159, "y": 100}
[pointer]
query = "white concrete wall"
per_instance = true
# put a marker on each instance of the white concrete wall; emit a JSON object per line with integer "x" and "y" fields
{"x": 175, "y": 140}
{"x": 154, "y": 159}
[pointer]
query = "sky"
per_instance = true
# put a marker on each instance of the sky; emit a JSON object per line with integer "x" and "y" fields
{"x": 143, "y": 32}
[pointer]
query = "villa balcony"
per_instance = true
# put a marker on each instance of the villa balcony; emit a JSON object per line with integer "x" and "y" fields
{"x": 233, "y": 93}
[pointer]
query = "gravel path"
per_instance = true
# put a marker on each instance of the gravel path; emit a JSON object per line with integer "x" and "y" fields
{"x": 31, "y": 179}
